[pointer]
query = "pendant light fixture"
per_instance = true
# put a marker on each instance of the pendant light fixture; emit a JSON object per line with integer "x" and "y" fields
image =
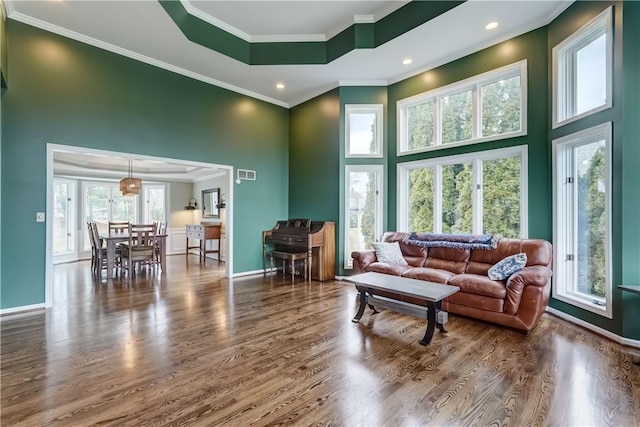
{"x": 130, "y": 186}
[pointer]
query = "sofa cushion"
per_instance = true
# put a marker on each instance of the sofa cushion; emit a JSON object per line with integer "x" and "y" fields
{"x": 450, "y": 259}
{"x": 429, "y": 274}
{"x": 539, "y": 252}
{"x": 414, "y": 255}
{"x": 479, "y": 302}
{"x": 383, "y": 267}
{"x": 479, "y": 285}
{"x": 389, "y": 252}
{"x": 507, "y": 266}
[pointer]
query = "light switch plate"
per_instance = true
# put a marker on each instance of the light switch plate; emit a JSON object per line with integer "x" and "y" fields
{"x": 39, "y": 216}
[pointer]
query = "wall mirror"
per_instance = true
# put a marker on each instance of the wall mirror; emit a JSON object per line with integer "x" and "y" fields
{"x": 210, "y": 199}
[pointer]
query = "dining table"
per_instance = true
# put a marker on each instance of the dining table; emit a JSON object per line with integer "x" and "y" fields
{"x": 112, "y": 240}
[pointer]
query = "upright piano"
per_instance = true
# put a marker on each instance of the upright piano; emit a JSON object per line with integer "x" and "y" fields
{"x": 317, "y": 238}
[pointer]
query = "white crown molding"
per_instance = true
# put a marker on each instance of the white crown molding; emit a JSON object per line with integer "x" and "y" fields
{"x": 198, "y": 13}
{"x": 194, "y": 11}
{"x": 586, "y": 325}
{"x": 334, "y": 85}
{"x": 8, "y": 7}
{"x": 561, "y": 8}
{"x": 289, "y": 38}
{"x": 17, "y": 16}
{"x": 363, "y": 83}
{"x": 363, "y": 19}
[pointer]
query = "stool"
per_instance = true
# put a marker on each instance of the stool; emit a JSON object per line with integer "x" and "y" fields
{"x": 292, "y": 257}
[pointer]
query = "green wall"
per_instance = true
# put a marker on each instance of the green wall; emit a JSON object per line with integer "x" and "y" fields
{"x": 66, "y": 92}
{"x": 314, "y": 172}
{"x": 531, "y": 46}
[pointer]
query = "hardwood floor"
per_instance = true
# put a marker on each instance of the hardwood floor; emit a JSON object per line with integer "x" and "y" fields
{"x": 193, "y": 348}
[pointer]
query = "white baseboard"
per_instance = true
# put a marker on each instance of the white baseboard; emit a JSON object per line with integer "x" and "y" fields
{"x": 249, "y": 273}
{"x": 613, "y": 337}
{"x": 21, "y": 309}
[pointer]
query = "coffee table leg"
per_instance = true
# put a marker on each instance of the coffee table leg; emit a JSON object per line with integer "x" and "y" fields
{"x": 438, "y": 324}
{"x": 431, "y": 323}
{"x": 363, "y": 305}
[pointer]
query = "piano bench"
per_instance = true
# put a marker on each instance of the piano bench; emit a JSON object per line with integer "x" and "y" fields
{"x": 292, "y": 257}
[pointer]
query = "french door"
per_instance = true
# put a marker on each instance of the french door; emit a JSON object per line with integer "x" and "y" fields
{"x": 102, "y": 202}
{"x": 64, "y": 220}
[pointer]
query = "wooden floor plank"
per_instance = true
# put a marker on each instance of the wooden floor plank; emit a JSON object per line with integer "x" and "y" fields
{"x": 192, "y": 348}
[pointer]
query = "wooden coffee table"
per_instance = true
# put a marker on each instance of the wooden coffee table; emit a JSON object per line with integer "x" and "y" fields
{"x": 395, "y": 287}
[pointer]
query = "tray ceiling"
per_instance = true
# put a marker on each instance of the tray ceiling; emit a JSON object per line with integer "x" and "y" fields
{"x": 143, "y": 30}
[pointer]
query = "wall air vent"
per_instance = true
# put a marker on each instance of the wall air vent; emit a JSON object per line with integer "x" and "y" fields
{"x": 247, "y": 174}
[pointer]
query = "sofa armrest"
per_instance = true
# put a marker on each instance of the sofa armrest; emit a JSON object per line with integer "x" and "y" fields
{"x": 535, "y": 275}
{"x": 361, "y": 259}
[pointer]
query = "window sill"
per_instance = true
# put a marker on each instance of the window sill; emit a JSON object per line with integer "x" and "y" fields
{"x": 585, "y": 304}
{"x": 577, "y": 117}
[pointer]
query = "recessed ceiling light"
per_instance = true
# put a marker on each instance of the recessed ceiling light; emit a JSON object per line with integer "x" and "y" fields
{"x": 491, "y": 26}
{"x": 280, "y": 86}
{"x": 407, "y": 61}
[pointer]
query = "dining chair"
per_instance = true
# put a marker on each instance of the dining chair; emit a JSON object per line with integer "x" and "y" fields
{"x": 99, "y": 253}
{"x": 140, "y": 248}
{"x": 161, "y": 230}
{"x": 90, "y": 226}
{"x": 118, "y": 227}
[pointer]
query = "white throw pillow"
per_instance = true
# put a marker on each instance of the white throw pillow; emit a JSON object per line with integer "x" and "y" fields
{"x": 507, "y": 266}
{"x": 389, "y": 252}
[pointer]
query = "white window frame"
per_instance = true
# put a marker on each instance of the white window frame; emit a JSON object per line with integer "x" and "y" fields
{"x": 379, "y": 171}
{"x": 564, "y": 224}
{"x": 476, "y": 158}
{"x": 563, "y": 76}
{"x": 145, "y": 201}
{"x": 376, "y": 109}
{"x": 474, "y": 84}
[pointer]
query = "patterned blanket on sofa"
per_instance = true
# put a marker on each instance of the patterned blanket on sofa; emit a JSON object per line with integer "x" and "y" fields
{"x": 458, "y": 241}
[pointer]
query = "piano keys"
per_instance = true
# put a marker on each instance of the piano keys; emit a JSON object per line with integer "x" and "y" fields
{"x": 317, "y": 238}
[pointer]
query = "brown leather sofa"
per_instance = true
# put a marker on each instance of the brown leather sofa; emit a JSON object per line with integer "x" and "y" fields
{"x": 517, "y": 302}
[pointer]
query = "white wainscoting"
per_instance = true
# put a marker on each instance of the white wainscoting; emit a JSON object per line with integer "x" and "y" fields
{"x": 177, "y": 241}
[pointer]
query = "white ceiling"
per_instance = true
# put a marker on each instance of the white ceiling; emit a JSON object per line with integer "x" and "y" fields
{"x": 141, "y": 29}
{"x": 92, "y": 165}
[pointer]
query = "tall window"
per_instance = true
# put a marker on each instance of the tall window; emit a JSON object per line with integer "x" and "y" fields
{"x": 582, "y": 71}
{"x": 103, "y": 202}
{"x": 154, "y": 202}
{"x": 64, "y": 193}
{"x": 478, "y": 193}
{"x": 363, "y": 209}
{"x": 482, "y": 108}
{"x": 582, "y": 223}
{"x": 363, "y": 124}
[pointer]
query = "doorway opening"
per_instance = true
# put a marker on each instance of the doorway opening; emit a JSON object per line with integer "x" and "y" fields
{"x": 83, "y": 184}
